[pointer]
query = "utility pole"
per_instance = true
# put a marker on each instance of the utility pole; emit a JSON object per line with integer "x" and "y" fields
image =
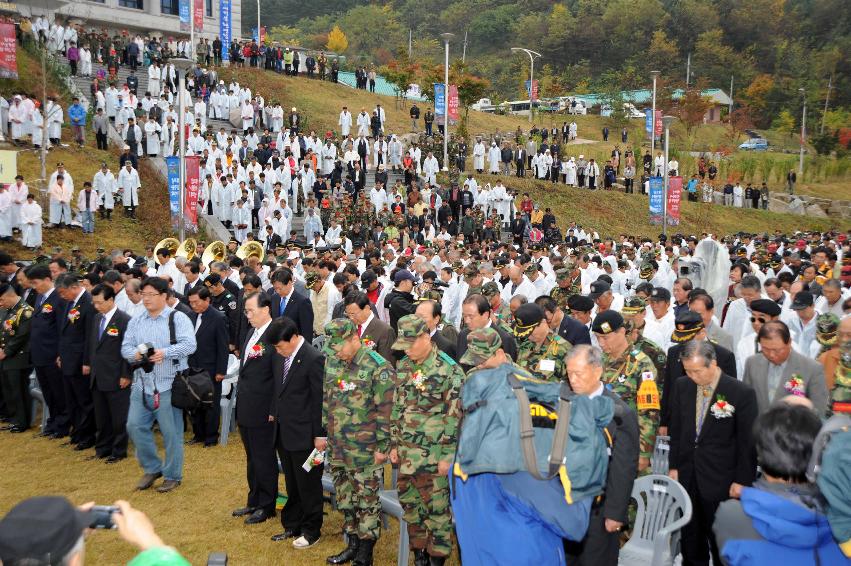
{"x": 464, "y": 51}
{"x": 532, "y": 55}
{"x": 44, "y": 141}
{"x": 803, "y": 135}
{"x": 688, "y": 69}
{"x": 731, "y": 94}
{"x": 447, "y": 37}
{"x": 826, "y": 101}
{"x": 410, "y": 42}
{"x": 653, "y": 116}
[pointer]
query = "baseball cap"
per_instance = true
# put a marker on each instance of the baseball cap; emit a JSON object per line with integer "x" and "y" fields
{"x": 598, "y": 288}
{"x": 660, "y": 294}
{"x": 409, "y": 328}
{"x": 766, "y": 306}
{"x": 633, "y": 305}
{"x": 802, "y": 300}
{"x": 688, "y": 324}
{"x": 403, "y": 275}
{"x": 311, "y": 278}
{"x": 482, "y": 344}
{"x": 580, "y": 303}
{"x": 826, "y": 326}
{"x": 607, "y": 322}
{"x": 490, "y": 289}
{"x": 41, "y": 528}
{"x": 526, "y": 318}
{"x": 337, "y": 332}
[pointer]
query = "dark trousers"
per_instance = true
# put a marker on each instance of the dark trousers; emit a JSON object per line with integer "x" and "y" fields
{"x": 50, "y": 382}
{"x": 101, "y": 140}
{"x": 111, "y": 409}
{"x": 78, "y": 396}
{"x": 16, "y": 395}
{"x": 303, "y": 510}
{"x": 261, "y": 466}
{"x": 428, "y": 128}
{"x": 521, "y": 169}
{"x": 698, "y": 542}
{"x": 205, "y": 422}
{"x": 598, "y": 548}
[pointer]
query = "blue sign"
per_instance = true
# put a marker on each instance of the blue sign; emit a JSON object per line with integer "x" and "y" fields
{"x": 439, "y": 99}
{"x": 224, "y": 28}
{"x": 172, "y": 164}
{"x": 184, "y": 11}
{"x": 648, "y": 120}
{"x": 656, "y": 198}
{"x": 254, "y": 35}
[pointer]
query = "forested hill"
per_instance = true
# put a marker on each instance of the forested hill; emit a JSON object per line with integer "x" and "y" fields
{"x": 771, "y": 48}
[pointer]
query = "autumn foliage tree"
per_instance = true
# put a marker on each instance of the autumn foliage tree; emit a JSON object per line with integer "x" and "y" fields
{"x": 401, "y": 73}
{"x": 737, "y": 122}
{"x": 691, "y": 109}
{"x": 337, "y": 40}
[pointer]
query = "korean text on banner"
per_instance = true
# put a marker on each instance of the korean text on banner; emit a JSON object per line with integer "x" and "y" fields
{"x": 193, "y": 185}
{"x": 439, "y": 99}
{"x": 184, "y": 10}
{"x": 8, "y": 54}
{"x": 453, "y": 104}
{"x": 173, "y": 176}
{"x": 198, "y": 14}
{"x": 532, "y": 90}
{"x": 648, "y": 120}
{"x": 675, "y": 195}
{"x": 659, "y": 125}
{"x": 224, "y": 27}
{"x": 656, "y": 196}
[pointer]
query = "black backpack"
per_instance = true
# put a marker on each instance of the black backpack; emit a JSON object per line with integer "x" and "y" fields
{"x": 192, "y": 388}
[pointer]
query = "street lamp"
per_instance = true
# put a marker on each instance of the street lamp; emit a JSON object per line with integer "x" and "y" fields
{"x": 803, "y": 134}
{"x": 666, "y": 122}
{"x": 182, "y": 66}
{"x": 532, "y": 55}
{"x": 653, "y": 116}
{"x": 446, "y": 37}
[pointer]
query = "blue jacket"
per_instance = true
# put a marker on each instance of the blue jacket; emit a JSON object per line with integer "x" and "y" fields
{"x": 77, "y": 114}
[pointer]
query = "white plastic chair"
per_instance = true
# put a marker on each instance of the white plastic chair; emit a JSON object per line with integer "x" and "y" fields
{"x": 659, "y": 459}
{"x": 228, "y": 400}
{"x": 663, "y": 508}
{"x": 38, "y": 397}
{"x": 390, "y": 505}
{"x": 318, "y": 342}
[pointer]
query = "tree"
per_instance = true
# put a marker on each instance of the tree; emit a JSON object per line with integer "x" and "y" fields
{"x": 337, "y": 40}
{"x": 401, "y": 73}
{"x": 662, "y": 55}
{"x": 784, "y": 122}
{"x": 692, "y": 108}
{"x": 738, "y": 121}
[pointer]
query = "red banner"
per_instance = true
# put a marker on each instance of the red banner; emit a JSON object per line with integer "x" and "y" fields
{"x": 659, "y": 125}
{"x": 193, "y": 182}
{"x": 453, "y": 103}
{"x": 534, "y": 94}
{"x": 675, "y": 195}
{"x": 198, "y": 14}
{"x": 8, "y": 54}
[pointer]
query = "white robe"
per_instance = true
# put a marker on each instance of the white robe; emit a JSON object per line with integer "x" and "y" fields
{"x": 5, "y": 214}
{"x": 570, "y": 172}
{"x": 154, "y": 73}
{"x": 345, "y": 123}
{"x": 37, "y": 123}
{"x": 363, "y": 124}
{"x": 129, "y": 183}
{"x": 152, "y": 137}
{"x": 19, "y": 197}
{"x": 494, "y": 156}
{"x": 105, "y": 186}
{"x": 479, "y": 156}
{"x": 31, "y": 224}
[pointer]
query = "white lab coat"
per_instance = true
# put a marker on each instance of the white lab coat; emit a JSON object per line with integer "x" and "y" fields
{"x": 128, "y": 183}
{"x": 479, "y": 156}
{"x": 105, "y": 186}
{"x": 31, "y": 222}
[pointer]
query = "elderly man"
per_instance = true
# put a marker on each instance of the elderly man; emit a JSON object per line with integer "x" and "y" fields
{"x": 660, "y": 320}
{"x": 735, "y": 321}
{"x": 476, "y": 313}
{"x": 802, "y": 321}
{"x": 518, "y": 284}
{"x": 762, "y": 311}
{"x": 704, "y": 305}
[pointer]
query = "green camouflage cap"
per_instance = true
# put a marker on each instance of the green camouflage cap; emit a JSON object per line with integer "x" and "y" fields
{"x": 490, "y": 289}
{"x": 431, "y": 295}
{"x": 563, "y": 273}
{"x": 471, "y": 270}
{"x": 531, "y": 268}
{"x": 826, "y": 326}
{"x": 457, "y": 264}
{"x": 481, "y": 345}
{"x": 409, "y": 328}
{"x": 311, "y": 278}
{"x": 337, "y": 332}
{"x": 633, "y": 305}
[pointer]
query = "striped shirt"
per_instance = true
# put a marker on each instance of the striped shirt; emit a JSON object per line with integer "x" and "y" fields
{"x": 143, "y": 329}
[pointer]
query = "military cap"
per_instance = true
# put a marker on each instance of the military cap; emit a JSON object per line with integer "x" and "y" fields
{"x": 337, "y": 332}
{"x": 471, "y": 270}
{"x": 826, "y": 326}
{"x": 531, "y": 268}
{"x": 457, "y": 264}
{"x": 212, "y": 280}
{"x": 100, "y": 250}
{"x": 500, "y": 261}
{"x": 688, "y": 324}
{"x": 660, "y": 294}
{"x": 490, "y": 289}
{"x": 633, "y": 305}
{"x": 431, "y": 295}
{"x": 75, "y": 249}
{"x": 526, "y": 318}
{"x": 482, "y": 344}
{"x": 580, "y": 303}
{"x": 311, "y": 278}
{"x": 562, "y": 274}
{"x": 765, "y": 306}
{"x": 645, "y": 270}
{"x": 598, "y": 288}
{"x": 409, "y": 328}
{"x": 607, "y": 322}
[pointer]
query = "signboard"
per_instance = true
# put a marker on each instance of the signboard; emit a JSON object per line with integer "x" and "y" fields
{"x": 675, "y": 195}
{"x": 532, "y": 90}
{"x": 198, "y": 12}
{"x": 659, "y": 125}
{"x": 648, "y": 120}
{"x": 439, "y": 99}
{"x": 193, "y": 184}
{"x": 8, "y": 55}
{"x": 224, "y": 28}
{"x": 656, "y": 198}
{"x": 453, "y": 104}
{"x": 172, "y": 165}
{"x": 262, "y": 38}
{"x": 184, "y": 11}
{"x": 8, "y": 166}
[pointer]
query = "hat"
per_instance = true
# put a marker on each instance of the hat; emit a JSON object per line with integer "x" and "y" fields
{"x": 633, "y": 305}
{"x": 43, "y": 528}
{"x": 688, "y": 325}
{"x": 311, "y": 278}
{"x": 607, "y": 322}
{"x": 457, "y": 264}
{"x": 471, "y": 270}
{"x": 75, "y": 249}
{"x": 409, "y": 328}
{"x": 660, "y": 294}
{"x": 766, "y": 306}
{"x": 500, "y": 262}
{"x": 337, "y": 331}
{"x": 482, "y": 344}
{"x": 403, "y": 275}
{"x": 598, "y": 288}
{"x": 212, "y": 280}
{"x": 531, "y": 268}
{"x": 490, "y": 289}
{"x": 802, "y": 300}
{"x": 526, "y": 318}
{"x": 580, "y": 303}
{"x": 562, "y": 274}
{"x": 645, "y": 270}
{"x": 826, "y": 327}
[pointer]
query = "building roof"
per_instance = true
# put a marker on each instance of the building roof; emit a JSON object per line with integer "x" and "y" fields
{"x": 644, "y": 96}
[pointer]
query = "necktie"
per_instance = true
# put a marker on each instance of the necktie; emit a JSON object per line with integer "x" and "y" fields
{"x": 706, "y": 395}
{"x": 513, "y": 288}
{"x": 39, "y": 301}
{"x": 360, "y": 329}
{"x": 283, "y": 306}
{"x": 102, "y": 327}
{"x": 287, "y": 361}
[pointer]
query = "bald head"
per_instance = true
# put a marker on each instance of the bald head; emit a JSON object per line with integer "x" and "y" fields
{"x": 515, "y": 274}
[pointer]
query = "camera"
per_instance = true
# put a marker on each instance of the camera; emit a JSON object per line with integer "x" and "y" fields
{"x": 145, "y": 364}
{"x": 101, "y": 516}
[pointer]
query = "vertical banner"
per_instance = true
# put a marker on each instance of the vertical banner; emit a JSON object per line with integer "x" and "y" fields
{"x": 224, "y": 28}
{"x": 659, "y": 123}
{"x": 8, "y": 54}
{"x": 185, "y": 13}
{"x": 8, "y": 166}
{"x": 173, "y": 175}
{"x": 648, "y": 120}
{"x": 532, "y": 90}
{"x": 261, "y": 38}
{"x": 453, "y": 104}
{"x": 439, "y": 99}
{"x": 198, "y": 12}
{"x": 193, "y": 183}
{"x": 675, "y": 195}
{"x": 656, "y": 197}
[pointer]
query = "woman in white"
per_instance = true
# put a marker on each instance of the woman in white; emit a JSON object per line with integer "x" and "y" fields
{"x": 545, "y": 161}
{"x": 18, "y": 116}
{"x": 111, "y": 99}
{"x": 394, "y": 149}
{"x": 479, "y": 156}
{"x": 494, "y": 156}
{"x": 19, "y": 197}
{"x": 100, "y": 100}
{"x": 105, "y": 186}
{"x": 277, "y": 122}
{"x": 738, "y": 196}
{"x": 38, "y": 129}
{"x": 152, "y": 135}
{"x": 54, "y": 116}
{"x": 31, "y": 223}
{"x": 570, "y": 172}
{"x": 85, "y": 61}
{"x": 5, "y": 213}
{"x": 501, "y": 201}
{"x": 247, "y": 114}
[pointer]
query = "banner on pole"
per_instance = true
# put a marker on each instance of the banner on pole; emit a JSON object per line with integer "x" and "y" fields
{"x": 8, "y": 54}
{"x": 172, "y": 165}
{"x": 262, "y": 38}
{"x": 198, "y": 12}
{"x": 224, "y": 28}
{"x": 453, "y": 104}
{"x": 185, "y": 14}
{"x": 659, "y": 123}
{"x": 648, "y": 120}
{"x": 656, "y": 198}
{"x": 193, "y": 184}
{"x": 532, "y": 90}
{"x": 439, "y": 99}
{"x": 675, "y": 195}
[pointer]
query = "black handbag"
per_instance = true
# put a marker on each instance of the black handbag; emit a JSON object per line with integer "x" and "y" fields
{"x": 192, "y": 388}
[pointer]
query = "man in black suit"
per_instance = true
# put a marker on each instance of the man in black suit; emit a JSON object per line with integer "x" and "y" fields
{"x": 689, "y": 326}
{"x": 372, "y": 330}
{"x": 476, "y": 311}
{"x": 711, "y": 455}
{"x": 110, "y": 375}
{"x": 609, "y": 512}
{"x": 211, "y": 335}
{"x": 299, "y": 371}
{"x": 73, "y": 336}
{"x": 520, "y": 161}
{"x": 44, "y": 349}
{"x": 286, "y": 302}
{"x": 430, "y": 311}
{"x": 255, "y": 409}
{"x": 272, "y": 240}
{"x": 567, "y": 327}
{"x": 192, "y": 273}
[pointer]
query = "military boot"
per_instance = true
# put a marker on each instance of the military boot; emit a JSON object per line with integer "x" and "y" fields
{"x": 348, "y": 553}
{"x": 420, "y": 557}
{"x": 364, "y": 557}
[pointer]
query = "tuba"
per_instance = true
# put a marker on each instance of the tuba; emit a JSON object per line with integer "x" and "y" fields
{"x": 215, "y": 251}
{"x": 251, "y": 249}
{"x": 187, "y": 248}
{"x": 171, "y": 244}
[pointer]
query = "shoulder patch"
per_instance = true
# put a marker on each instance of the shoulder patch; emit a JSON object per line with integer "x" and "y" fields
{"x": 639, "y": 355}
{"x": 28, "y": 313}
{"x": 377, "y": 357}
{"x": 446, "y": 358}
{"x": 232, "y": 305}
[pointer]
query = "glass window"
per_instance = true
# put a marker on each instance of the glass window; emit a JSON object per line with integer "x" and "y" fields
{"x": 209, "y": 4}
{"x": 137, "y": 4}
{"x": 170, "y": 7}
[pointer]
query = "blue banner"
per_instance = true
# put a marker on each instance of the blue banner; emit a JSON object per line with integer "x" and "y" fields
{"x": 439, "y": 99}
{"x": 173, "y": 168}
{"x": 184, "y": 12}
{"x": 224, "y": 28}
{"x": 656, "y": 198}
{"x": 648, "y": 120}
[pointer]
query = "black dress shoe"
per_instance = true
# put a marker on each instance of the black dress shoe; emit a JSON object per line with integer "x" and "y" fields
{"x": 7, "y": 427}
{"x": 259, "y": 516}
{"x": 98, "y": 457}
{"x": 114, "y": 459}
{"x": 243, "y": 511}
{"x": 289, "y": 533}
{"x": 84, "y": 446}
{"x": 194, "y": 441}
{"x": 17, "y": 429}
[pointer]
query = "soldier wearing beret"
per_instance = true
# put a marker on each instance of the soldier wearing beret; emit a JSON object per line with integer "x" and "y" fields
{"x": 15, "y": 357}
{"x": 539, "y": 349}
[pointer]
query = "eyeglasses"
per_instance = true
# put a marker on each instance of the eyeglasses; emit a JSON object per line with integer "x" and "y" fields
{"x": 757, "y": 319}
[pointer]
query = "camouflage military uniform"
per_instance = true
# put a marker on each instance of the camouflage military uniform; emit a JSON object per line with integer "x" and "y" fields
{"x": 503, "y": 317}
{"x": 547, "y": 360}
{"x": 651, "y": 350}
{"x": 15, "y": 367}
{"x": 358, "y": 403}
{"x": 840, "y": 395}
{"x": 634, "y": 378}
{"x": 425, "y": 418}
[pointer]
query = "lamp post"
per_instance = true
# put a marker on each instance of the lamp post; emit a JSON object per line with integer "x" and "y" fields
{"x": 532, "y": 55}
{"x": 666, "y": 122}
{"x": 182, "y": 66}
{"x": 803, "y": 134}
{"x": 258, "y": 23}
{"x": 446, "y": 37}
{"x": 655, "y": 75}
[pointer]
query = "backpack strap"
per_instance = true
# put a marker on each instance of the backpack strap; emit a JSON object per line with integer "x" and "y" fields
{"x": 172, "y": 333}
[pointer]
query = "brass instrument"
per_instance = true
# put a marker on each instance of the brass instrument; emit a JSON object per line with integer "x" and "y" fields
{"x": 215, "y": 251}
{"x": 171, "y": 244}
{"x": 251, "y": 249}
{"x": 187, "y": 248}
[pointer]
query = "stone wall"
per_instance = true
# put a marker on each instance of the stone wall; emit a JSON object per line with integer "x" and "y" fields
{"x": 809, "y": 205}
